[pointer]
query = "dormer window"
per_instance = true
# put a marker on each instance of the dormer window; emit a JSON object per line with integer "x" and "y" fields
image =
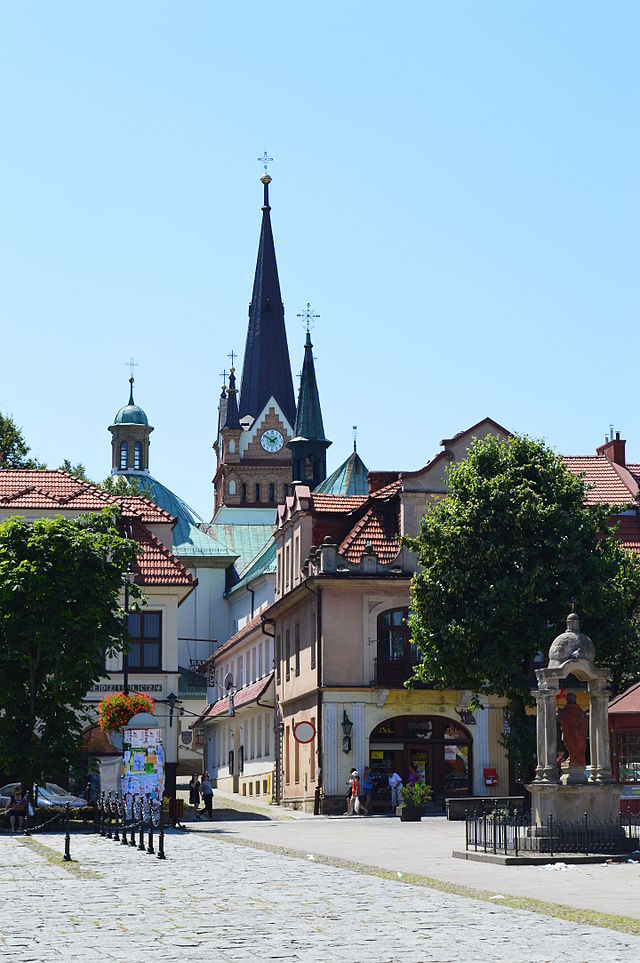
{"x": 124, "y": 455}
{"x": 137, "y": 455}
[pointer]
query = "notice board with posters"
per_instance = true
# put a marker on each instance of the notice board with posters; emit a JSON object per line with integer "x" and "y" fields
{"x": 143, "y": 763}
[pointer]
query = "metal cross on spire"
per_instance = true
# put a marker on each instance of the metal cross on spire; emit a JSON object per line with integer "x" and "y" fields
{"x": 223, "y": 375}
{"x": 266, "y": 160}
{"x": 308, "y": 317}
{"x": 232, "y": 355}
{"x": 131, "y": 364}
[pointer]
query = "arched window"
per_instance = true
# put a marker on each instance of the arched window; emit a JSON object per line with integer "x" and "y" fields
{"x": 309, "y": 467}
{"x": 232, "y": 446}
{"x": 244, "y": 493}
{"x": 257, "y": 493}
{"x": 272, "y": 493}
{"x": 232, "y": 487}
{"x": 137, "y": 455}
{"x": 394, "y": 643}
{"x": 124, "y": 455}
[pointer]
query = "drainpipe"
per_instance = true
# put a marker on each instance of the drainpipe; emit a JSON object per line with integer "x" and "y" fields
{"x": 276, "y": 740}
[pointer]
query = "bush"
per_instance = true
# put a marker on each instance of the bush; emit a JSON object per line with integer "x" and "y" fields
{"x": 416, "y": 796}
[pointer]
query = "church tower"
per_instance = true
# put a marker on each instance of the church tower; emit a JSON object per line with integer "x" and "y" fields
{"x": 309, "y": 446}
{"x": 253, "y": 460}
{"x": 130, "y": 439}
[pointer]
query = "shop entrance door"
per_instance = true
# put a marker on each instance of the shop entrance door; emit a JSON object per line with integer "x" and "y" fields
{"x": 421, "y": 758}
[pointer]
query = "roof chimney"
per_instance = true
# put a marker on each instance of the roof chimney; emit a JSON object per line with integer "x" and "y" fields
{"x": 613, "y": 449}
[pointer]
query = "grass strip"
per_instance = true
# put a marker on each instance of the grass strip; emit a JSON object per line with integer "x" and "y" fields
{"x": 57, "y": 859}
{"x": 621, "y": 924}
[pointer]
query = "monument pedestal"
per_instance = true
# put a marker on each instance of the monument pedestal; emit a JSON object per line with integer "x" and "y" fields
{"x": 568, "y": 804}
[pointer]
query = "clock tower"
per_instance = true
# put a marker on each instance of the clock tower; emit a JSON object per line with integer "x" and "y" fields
{"x": 254, "y": 462}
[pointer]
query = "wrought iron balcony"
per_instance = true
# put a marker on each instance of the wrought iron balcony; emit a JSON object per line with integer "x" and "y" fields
{"x": 393, "y": 672}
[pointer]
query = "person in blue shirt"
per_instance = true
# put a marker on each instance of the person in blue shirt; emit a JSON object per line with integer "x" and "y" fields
{"x": 367, "y": 790}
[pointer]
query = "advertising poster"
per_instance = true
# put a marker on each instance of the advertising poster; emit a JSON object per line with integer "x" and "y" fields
{"x": 143, "y": 762}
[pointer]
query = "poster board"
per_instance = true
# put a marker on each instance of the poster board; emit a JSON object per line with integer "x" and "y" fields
{"x": 143, "y": 763}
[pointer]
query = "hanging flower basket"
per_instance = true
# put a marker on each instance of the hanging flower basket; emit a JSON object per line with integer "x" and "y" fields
{"x": 114, "y": 711}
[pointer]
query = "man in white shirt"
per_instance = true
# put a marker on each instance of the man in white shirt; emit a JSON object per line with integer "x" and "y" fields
{"x": 395, "y": 784}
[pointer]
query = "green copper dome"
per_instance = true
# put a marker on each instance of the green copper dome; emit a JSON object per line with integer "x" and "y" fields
{"x": 131, "y": 414}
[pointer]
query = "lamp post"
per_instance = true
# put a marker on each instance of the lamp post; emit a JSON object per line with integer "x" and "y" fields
{"x": 129, "y": 578}
{"x": 347, "y": 726}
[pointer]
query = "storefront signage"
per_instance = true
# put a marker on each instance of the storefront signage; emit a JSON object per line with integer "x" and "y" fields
{"x": 419, "y": 729}
{"x": 133, "y": 687}
{"x": 304, "y": 732}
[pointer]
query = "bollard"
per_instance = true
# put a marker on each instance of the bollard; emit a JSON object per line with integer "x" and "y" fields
{"x": 67, "y": 837}
{"x": 150, "y": 848}
{"x": 25, "y": 825}
{"x": 116, "y": 809}
{"x": 161, "y": 854}
{"x": 132, "y": 841}
{"x": 124, "y": 820}
{"x": 141, "y": 845}
{"x": 96, "y": 815}
{"x": 102, "y": 815}
{"x": 109, "y": 816}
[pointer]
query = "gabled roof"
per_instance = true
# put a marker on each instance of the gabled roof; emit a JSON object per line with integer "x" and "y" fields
{"x": 611, "y": 484}
{"x": 379, "y": 527}
{"x": 266, "y": 370}
{"x": 157, "y": 565}
{"x": 235, "y": 639}
{"x": 243, "y": 697}
{"x": 350, "y": 478}
{"x": 628, "y": 701}
{"x": 336, "y": 503}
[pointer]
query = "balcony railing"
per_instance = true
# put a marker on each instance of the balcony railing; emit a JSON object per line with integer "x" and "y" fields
{"x": 394, "y": 672}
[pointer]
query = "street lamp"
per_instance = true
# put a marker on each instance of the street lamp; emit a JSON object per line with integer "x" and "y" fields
{"x": 347, "y": 726}
{"x": 128, "y": 578}
{"x": 171, "y": 700}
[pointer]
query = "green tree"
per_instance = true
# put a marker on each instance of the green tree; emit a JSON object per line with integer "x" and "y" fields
{"x": 502, "y": 557}
{"x": 124, "y": 486}
{"x": 13, "y": 448}
{"x": 59, "y": 617}
{"x": 78, "y": 471}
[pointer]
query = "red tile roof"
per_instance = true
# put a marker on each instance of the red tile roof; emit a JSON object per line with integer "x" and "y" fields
{"x": 241, "y": 634}
{"x": 243, "y": 697}
{"x": 628, "y": 701}
{"x": 337, "y": 503}
{"x": 387, "y": 491}
{"x": 48, "y": 489}
{"x": 612, "y": 485}
{"x": 156, "y": 565}
{"x": 628, "y": 531}
{"x": 378, "y": 526}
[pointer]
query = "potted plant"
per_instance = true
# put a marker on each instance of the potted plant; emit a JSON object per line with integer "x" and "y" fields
{"x": 115, "y": 710}
{"x": 414, "y": 799}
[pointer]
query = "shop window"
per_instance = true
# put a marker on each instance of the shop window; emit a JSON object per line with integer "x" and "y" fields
{"x": 137, "y": 455}
{"x": 124, "y": 455}
{"x": 629, "y": 757}
{"x": 145, "y": 640}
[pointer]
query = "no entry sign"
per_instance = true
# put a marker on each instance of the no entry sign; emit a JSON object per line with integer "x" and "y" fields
{"x": 304, "y": 732}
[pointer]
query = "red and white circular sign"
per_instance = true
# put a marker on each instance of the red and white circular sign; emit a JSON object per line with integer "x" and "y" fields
{"x": 304, "y": 732}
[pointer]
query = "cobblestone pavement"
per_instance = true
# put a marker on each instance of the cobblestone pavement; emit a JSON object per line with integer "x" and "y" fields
{"x": 213, "y": 900}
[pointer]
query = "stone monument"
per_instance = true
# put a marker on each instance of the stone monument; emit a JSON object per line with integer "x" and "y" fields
{"x": 566, "y": 792}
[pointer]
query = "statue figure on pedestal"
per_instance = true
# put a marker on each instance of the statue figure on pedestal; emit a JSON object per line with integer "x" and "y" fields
{"x": 574, "y": 724}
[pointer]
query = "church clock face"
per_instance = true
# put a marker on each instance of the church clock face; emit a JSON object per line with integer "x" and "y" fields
{"x": 271, "y": 440}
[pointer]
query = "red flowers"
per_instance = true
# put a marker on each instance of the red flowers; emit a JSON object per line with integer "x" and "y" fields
{"x": 114, "y": 711}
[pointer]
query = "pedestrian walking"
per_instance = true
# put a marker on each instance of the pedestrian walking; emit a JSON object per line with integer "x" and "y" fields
{"x": 367, "y": 790}
{"x": 207, "y": 796}
{"x": 415, "y": 776}
{"x": 194, "y": 791}
{"x": 17, "y": 809}
{"x": 395, "y": 784}
{"x": 353, "y": 784}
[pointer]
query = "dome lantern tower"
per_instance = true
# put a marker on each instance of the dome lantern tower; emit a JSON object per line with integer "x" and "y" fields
{"x": 130, "y": 439}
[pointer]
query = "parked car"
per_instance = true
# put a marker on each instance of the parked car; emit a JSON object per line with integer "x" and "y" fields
{"x": 49, "y": 796}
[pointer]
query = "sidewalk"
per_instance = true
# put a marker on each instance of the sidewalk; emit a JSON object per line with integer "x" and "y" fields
{"x": 425, "y": 848}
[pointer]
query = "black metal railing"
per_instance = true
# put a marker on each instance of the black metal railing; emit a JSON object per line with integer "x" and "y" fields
{"x": 500, "y": 832}
{"x": 393, "y": 672}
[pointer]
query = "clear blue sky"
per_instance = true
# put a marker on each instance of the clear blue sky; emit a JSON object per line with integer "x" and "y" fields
{"x": 455, "y": 190}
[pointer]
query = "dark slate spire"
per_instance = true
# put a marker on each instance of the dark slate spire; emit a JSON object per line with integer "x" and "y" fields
{"x": 266, "y": 370}
{"x": 309, "y": 447}
{"x": 231, "y": 417}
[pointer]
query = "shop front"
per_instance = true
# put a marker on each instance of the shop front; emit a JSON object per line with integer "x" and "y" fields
{"x": 439, "y": 748}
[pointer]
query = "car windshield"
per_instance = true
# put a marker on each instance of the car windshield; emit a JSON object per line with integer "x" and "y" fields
{"x": 52, "y": 790}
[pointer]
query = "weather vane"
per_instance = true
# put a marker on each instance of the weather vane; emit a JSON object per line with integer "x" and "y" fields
{"x": 308, "y": 317}
{"x": 131, "y": 364}
{"x": 266, "y": 160}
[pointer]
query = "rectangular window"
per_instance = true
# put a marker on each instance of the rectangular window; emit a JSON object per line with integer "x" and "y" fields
{"x": 267, "y": 737}
{"x": 287, "y": 566}
{"x": 287, "y": 655}
{"x": 145, "y": 646}
{"x": 286, "y": 754}
{"x": 312, "y": 754}
{"x": 279, "y": 573}
{"x": 313, "y": 640}
{"x": 238, "y": 679}
{"x": 296, "y": 761}
{"x": 297, "y": 647}
{"x": 629, "y": 757}
{"x": 296, "y": 557}
{"x": 259, "y": 741}
{"x": 278, "y": 656}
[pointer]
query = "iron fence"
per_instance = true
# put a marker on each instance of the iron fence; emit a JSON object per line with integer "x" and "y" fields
{"x": 512, "y": 833}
